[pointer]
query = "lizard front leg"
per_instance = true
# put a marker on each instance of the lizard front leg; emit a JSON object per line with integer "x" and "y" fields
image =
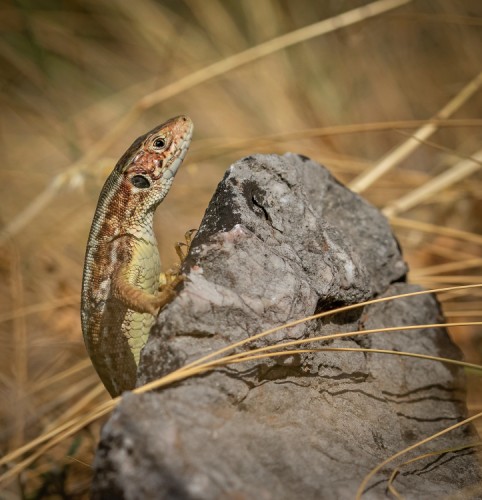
{"x": 140, "y": 300}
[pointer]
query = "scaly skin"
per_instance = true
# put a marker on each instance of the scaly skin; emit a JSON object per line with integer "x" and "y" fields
{"x": 120, "y": 288}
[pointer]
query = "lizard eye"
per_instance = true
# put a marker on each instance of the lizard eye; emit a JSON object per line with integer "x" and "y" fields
{"x": 139, "y": 181}
{"x": 159, "y": 143}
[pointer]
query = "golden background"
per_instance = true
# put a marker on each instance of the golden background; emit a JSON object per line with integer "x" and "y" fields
{"x": 80, "y": 80}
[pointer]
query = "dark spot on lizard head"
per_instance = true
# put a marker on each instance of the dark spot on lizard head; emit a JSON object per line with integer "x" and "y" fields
{"x": 304, "y": 158}
{"x": 140, "y": 182}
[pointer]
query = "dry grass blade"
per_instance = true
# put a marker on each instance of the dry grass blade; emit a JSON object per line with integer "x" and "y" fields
{"x": 188, "y": 82}
{"x": 450, "y": 279}
{"x": 80, "y": 79}
{"x": 380, "y": 466}
{"x": 270, "y": 47}
{"x": 402, "y": 151}
{"x": 459, "y": 295}
{"x": 323, "y": 314}
{"x": 433, "y": 229}
{"x": 396, "y": 470}
{"x": 254, "y": 354}
{"x": 201, "y": 365}
{"x": 20, "y": 366}
{"x": 340, "y": 335}
{"x": 81, "y": 404}
{"x": 68, "y": 428}
{"x": 58, "y": 377}
{"x": 447, "y": 267}
{"x": 269, "y": 140}
{"x": 463, "y": 314}
{"x": 36, "y": 308}
{"x": 455, "y": 174}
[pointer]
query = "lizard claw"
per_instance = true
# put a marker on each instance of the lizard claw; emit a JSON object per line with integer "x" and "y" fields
{"x": 172, "y": 278}
{"x": 181, "y": 253}
{"x": 180, "y": 250}
{"x": 188, "y": 236}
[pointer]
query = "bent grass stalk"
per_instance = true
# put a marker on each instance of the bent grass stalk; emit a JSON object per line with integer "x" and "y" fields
{"x": 401, "y": 152}
{"x": 67, "y": 429}
{"x": 463, "y": 313}
{"x": 250, "y": 357}
{"x": 396, "y": 470}
{"x": 186, "y": 83}
{"x": 76, "y": 424}
{"x": 242, "y": 355}
{"x": 460, "y": 265}
{"x": 324, "y": 314}
{"x": 449, "y": 177}
{"x": 451, "y": 279}
{"x": 381, "y": 465}
{"x": 426, "y": 227}
{"x": 235, "y": 145}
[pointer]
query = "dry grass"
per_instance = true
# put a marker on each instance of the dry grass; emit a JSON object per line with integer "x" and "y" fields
{"x": 78, "y": 84}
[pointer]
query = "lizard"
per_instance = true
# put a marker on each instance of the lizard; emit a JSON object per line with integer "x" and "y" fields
{"x": 121, "y": 291}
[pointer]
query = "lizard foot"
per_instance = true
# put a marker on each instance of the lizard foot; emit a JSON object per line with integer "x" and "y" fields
{"x": 167, "y": 293}
{"x": 169, "y": 280}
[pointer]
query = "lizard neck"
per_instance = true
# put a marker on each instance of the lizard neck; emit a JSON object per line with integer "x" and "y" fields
{"x": 140, "y": 226}
{"x": 119, "y": 215}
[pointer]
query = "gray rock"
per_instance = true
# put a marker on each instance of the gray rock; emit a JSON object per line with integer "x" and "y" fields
{"x": 281, "y": 240}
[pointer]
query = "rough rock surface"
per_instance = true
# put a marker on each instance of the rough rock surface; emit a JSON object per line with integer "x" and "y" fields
{"x": 281, "y": 240}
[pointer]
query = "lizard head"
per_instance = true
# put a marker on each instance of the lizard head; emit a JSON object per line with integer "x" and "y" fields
{"x": 148, "y": 167}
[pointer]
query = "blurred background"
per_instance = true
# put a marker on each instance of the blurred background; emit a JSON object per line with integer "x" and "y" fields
{"x": 81, "y": 79}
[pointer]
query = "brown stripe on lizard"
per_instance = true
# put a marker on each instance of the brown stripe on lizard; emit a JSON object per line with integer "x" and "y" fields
{"x": 120, "y": 287}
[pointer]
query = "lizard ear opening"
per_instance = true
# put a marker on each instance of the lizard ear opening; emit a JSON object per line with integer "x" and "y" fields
{"x": 141, "y": 182}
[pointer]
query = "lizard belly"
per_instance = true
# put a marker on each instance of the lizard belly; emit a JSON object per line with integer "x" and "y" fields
{"x": 143, "y": 272}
